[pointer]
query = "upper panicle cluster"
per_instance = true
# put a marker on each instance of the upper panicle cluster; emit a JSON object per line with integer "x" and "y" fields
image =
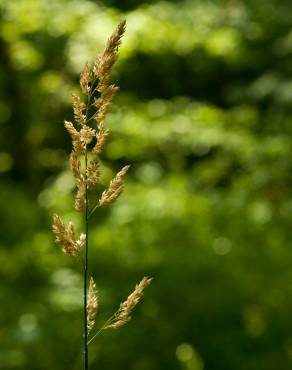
{"x": 87, "y": 140}
{"x": 88, "y": 134}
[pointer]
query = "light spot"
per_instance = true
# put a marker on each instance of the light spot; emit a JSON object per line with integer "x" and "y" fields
{"x": 222, "y": 246}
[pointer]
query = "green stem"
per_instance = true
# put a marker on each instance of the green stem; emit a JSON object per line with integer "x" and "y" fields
{"x": 86, "y": 272}
{"x": 93, "y": 210}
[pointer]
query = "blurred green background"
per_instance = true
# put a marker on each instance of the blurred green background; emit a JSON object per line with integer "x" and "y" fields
{"x": 204, "y": 116}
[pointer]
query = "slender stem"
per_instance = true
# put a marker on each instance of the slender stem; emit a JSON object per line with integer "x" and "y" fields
{"x": 86, "y": 271}
{"x": 93, "y": 210}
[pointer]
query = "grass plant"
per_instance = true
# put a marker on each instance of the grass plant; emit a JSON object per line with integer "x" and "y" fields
{"x": 89, "y": 135}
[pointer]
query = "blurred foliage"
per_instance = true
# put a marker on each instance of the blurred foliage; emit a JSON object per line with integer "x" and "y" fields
{"x": 204, "y": 117}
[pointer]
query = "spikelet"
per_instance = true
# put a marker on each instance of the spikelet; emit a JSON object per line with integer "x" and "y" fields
{"x": 85, "y": 79}
{"x": 78, "y": 108}
{"x": 104, "y": 102}
{"x": 92, "y": 173}
{"x": 80, "y": 195}
{"x": 75, "y": 136}
{"x": 75, "y": 164}
{"x": 100, "y": 140}
{"x": 81, "y": 241}
{"x": 92, "y": 304}
{"x": 108, "y": 57}
{"x": 66, "y": 236}
{"x": 123, "y": 314}
{"x": 115, "y": 188}
{"x": 86, "y": 135}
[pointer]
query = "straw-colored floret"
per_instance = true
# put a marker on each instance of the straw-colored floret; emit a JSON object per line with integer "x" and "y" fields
{"x": 104, "y": 102}
{"x": 85, "y": 79}
{"x": 66, "y": 236}
{"x": 92, "y": 173}
{"x": 123, "y": 314}
{"x": 75, "y": 164}
{"x": 80, "y": 196}
{"x": 79, "y": 109}
{"x": 100, "y": 139}
{"x": 92, "y": 304}
{"x": 86, "y": 135}
{"x": 115, "y": 188}
{"x": 75, "y": 136}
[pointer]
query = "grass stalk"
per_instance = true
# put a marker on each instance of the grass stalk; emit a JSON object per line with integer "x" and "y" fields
{"x": 85, "y": 272}
{"x": 87, "y": 140}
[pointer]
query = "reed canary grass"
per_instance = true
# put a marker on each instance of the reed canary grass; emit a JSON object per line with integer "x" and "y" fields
{"x": 89, "y": 134}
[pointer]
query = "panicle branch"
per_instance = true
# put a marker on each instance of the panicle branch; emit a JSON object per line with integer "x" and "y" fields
{"x": 115, "y": 188}
{"x": 122, "y": 316}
